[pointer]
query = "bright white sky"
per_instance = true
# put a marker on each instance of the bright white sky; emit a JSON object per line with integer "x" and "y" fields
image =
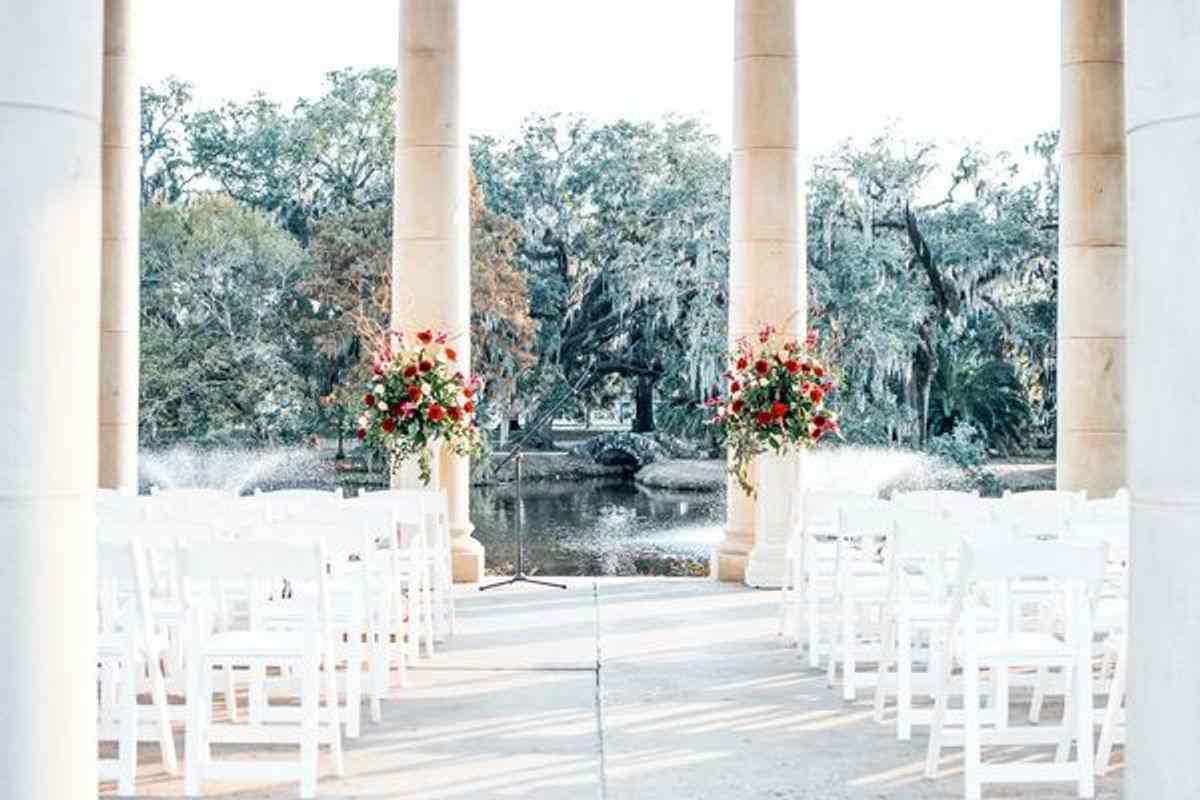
{"x": 956, "y": 71}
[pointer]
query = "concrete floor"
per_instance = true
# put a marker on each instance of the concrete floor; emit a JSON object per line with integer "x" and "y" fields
{"x": 619, "y": 689}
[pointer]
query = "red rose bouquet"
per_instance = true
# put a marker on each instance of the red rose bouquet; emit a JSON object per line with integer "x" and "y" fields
{"x": 418, "y": 395}
{"x": 774, "y": 398}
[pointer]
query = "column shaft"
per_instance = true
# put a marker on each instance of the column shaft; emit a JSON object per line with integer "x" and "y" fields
{"x": 1163, "y": 141}
{"x": 431, "y": 269}
{"x": 50, "y": 53}
{"x": 120, "y": 272}
{"x": 1091, "y": 286}
{"x": 767, "y": 265}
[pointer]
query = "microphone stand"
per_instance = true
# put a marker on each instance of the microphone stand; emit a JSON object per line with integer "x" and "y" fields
{"x": 520, "y": 576}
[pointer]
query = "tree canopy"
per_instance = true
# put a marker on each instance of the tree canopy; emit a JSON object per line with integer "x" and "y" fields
{"x": 600, "y": 261}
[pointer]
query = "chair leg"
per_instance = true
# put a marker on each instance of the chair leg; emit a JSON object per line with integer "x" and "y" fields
{"x": 257, "y": 693}
{"x": 785, "y": 593}
{"x": 369, "y": 657}
{"x": 354, "y": 668}
{"x": 812, "y": 624}
{"x": 1042, "y": 684}
{"x": 166, "y": 736}
{"x": 310, "y": 689}
{"x": 194, "y": 732}
{"x": 231, "y": 707}
{"x": 439, "y": 603}
{"x": 127, "y": 746}
{"x": 427, "y": 608}
{"x": 1000, "y": 680}
{"x": 333, "y": 712}
{"x": 401, "y": 652}
{"x": 1062, "y": 750}
{"x": 971, "y": 731}
{"x": 941, "y": 678}
{"x": 380, "y": 677}
{"x": 1082, "y": 690}
{"x": 450, "y": 595}
{"x": 886, "y": 662}
{"x": 849, "y": 649}
{"x": 834, "y": 653}
{"x": 904, "y": 678}
{"x": 1112, "y": 713}
{"x": 412, "y": 607}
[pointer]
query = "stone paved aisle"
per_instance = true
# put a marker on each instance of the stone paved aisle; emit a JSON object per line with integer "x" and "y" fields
{"x": 623, "y": 689}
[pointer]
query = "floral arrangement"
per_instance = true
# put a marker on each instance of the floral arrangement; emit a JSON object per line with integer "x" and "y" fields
{"x": 417, "y": 396}
{"x": 773, "y": 399}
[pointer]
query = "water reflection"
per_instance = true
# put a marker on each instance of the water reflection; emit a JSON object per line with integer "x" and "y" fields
{"x": 598, "y": 527}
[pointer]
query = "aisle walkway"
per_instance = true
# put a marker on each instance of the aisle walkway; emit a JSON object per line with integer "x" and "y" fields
{"x": 624, "y": 689}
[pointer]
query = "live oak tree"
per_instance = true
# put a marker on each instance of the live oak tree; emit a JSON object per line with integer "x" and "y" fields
{"x": 600, "y": 256}
{"x": 220, "y": 295}
{"x": 626, "y": 249}
{"x": 351, "y": 286}
{"x": 905, "y": 276}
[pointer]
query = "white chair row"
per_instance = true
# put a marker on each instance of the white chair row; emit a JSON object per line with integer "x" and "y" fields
{"x": 221, "y": 594}
{"x": 900, "y": 583}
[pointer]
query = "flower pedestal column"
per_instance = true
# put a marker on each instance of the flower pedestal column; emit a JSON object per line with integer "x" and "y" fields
{"x": 777, "y": 479}
{"x": 407, "y": 474}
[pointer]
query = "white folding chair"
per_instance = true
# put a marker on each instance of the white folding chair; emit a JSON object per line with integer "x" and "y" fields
{"x": 1049, "y": 510}
{"x": 810, "y": 572}
{"x": 128, "y": 653}
{"x": 436, "y": 509}
{"x": 933, "y": 499}
{"x": 411, "y": 555}
{"x": 920, "y": 555}
{"x": 225, "y": 512}
{"x": 1075, "y": 571}
{"x": 159, "y": 540}
{"x": 1106, "y": 520}
{"x": 294, "y": 504}
{"x": 355, "y": 611}
{"x": 862, "y": 590}
{"x": 264, "y": 566}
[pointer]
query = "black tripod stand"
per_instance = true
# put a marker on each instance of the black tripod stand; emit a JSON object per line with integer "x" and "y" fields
{"x": 520, "y": 576}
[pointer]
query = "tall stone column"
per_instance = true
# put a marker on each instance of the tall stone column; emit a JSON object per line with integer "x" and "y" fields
{"x": 1163, "y": 142}
{"x": 431, "y": 269}
{"x": 120, "y": 272}
{"x": 768, "y": 260}
{"x": 1091, "y": 277}
{"x": 49, "y": 336}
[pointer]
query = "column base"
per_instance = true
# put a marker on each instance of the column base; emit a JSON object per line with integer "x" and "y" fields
{"x": 729, "y": 567}
{"x": 765, "y": 567}
{"x": 466, "y": 559}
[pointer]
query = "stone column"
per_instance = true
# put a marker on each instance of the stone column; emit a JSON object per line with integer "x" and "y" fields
{"x": 1163, "y": 142}
{"x": 120, "y": 273}
{"x": 1091, "y": 278}
{"x": 50, "y": 52}
{"x": 767, "y": 266}
{"x": 431, "y": 269}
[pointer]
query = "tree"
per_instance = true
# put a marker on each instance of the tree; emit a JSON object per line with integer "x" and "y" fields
{"x": 331, "y": 155}
{"x": 502, "y": 331}
{"x": 351, "y": 288}
{"x": 626, "y": 249}
{"x": 219, "y": 299}
{"x": 903, "y": 273}
{"x": 167, "y": 168}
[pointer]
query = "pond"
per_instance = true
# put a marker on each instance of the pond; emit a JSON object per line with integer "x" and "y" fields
{"x": 597, "y": 527}
{"x": 572, "y": 527}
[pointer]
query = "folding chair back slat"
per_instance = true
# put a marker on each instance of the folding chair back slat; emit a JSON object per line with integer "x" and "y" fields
{"x": 1060, "y": 561}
